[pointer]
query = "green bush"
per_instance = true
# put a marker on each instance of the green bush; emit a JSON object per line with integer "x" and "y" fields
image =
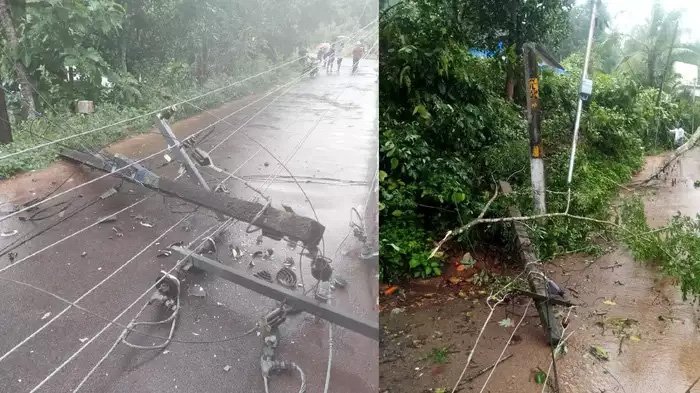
{"x": 54, "y": 124}
{"x": 446, "y": 134}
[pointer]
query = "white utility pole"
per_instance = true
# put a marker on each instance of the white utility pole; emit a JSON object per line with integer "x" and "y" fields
{"x": 584, "y": 93}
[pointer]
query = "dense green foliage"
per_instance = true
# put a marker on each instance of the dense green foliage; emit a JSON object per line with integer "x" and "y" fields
{"x": 675, "y": 247}
{"x": 448, "y": 132}
{"x": 131, "y": 56}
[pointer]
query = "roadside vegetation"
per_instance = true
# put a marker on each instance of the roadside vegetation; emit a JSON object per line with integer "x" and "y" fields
{"x": 452, "y": 124}
{"x": 131, "y": 57}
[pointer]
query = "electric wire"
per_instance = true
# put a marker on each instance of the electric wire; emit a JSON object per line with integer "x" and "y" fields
{"x": 74, "y": 304}
{"x": 139, "y": 160}
{"x": 160, "y": 151}
{"x": 98, "y": 334}
{"x": 171, "y": 269}
{"x": 95, "y": 287}
{"x": 129, "y": 307}
{"x": 16, "y": 263}
{"x": 154, "y": 112}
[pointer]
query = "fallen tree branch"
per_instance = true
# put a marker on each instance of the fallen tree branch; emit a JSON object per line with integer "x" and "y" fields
{"x": 448, "y": 235}
{"x": 478, "y": 221}
{"x": 486, "y": 369}
{"x": 692, "y": 141}
{"x": 693, "y": 385}
{"x": 492, "y": 308}
{"x": 505, "y": 347}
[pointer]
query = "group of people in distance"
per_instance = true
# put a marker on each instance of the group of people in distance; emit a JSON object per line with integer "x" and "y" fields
{"x": 330, "y": 55}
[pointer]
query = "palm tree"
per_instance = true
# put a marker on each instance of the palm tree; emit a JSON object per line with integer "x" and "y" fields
{"x": 652, "y": 47}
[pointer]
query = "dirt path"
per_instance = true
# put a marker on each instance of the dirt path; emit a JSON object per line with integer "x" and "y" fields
{"x": 626, "y": 308}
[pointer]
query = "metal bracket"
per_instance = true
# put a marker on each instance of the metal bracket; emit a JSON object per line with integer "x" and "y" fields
{"x": 180, "y": 154}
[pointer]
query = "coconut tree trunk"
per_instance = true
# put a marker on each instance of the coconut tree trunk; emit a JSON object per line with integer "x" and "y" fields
{"x": 510, "y": 85}
{"x": 28, "y": 107}
{"x": 5, "y": 127}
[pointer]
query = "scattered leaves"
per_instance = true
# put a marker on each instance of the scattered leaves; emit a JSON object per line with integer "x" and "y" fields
{"x": 540, "y": 377}
{"x": 506, "y": 322}
{"x": 454, "y": 280}
{"x": 599, "y": 352}
{"x": 389, "y": 291}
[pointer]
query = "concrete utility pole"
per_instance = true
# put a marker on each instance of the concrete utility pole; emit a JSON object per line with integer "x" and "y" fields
{"x": 584, "y": 93}
{"x": 531, "y": 53}
{"x": 534, "y": 119}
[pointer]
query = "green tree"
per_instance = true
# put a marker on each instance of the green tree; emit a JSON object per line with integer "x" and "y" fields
{"x": 12, "y": 55}
{"x": 513, "y": 23}
{"x": 647, "y": 49}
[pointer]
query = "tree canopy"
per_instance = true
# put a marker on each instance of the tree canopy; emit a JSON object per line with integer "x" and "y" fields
{"x": 101, "y": 49}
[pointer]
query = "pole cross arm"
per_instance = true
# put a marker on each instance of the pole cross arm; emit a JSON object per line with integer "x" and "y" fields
{"x": 369, "y": 329}
{"x": 274, "y": 223}
{"x": 542, "y": 53}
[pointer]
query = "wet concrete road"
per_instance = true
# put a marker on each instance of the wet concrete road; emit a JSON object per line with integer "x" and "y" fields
{"x": 326, "y": 127}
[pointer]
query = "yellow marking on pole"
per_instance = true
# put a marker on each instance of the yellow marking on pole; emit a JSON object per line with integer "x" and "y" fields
{"x": 534, "y": 84}
{"x": 536, "y": 151}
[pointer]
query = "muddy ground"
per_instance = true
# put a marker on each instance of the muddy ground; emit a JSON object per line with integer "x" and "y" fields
{"x": 326, "y": 127}
{"x": 628, "y": 309}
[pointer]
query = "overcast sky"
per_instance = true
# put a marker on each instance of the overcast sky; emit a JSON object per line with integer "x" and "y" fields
{"x": 626, "y": 14}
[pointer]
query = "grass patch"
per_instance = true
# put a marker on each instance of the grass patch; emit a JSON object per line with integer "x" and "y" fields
{"x": 53, "y": 126}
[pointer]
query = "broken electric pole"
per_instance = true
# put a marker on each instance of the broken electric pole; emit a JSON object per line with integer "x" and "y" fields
{"x": 275, "y": 223}
{"x": 531, "y": 53}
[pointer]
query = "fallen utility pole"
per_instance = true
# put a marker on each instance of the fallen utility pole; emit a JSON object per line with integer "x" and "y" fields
{"x": 291, "y": 298}
{"x": 535, "y": 274}
{"x": 275, "y": 224}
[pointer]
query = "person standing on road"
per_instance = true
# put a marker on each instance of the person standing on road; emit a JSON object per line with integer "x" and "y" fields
{"x": 321, "y": 53}
{"x": 339, "y": 55}
{"x": 357, "y": 52}
{"x": 330, "y": 59}
{"x": 678, "y": 135}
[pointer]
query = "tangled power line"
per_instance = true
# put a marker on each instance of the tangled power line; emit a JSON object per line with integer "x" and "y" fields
{"x": 130, "y": 327}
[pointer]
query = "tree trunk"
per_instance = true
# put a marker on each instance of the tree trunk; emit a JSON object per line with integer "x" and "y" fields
{"x": 122, "y": 52}
{"x": 201, "y": 62}
{"x": 510, "y": 85}
{"x": 5, "y": 127}
{"x": 27, "y": 99}
{"x": 663, "y": 80}
{"x": 651, "y": 69}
